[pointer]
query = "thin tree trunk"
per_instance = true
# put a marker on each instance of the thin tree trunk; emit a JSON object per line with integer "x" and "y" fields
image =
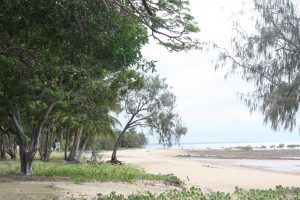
{"x": 2, "y": 146}
{"x": 11, "y": 147}
{"x": 116, "y": 146}
{"x": 82, "y": 149}
{"x": 67, "y": 143}
{"x": 73, "y": 155}
{"x": 48, "y": 143}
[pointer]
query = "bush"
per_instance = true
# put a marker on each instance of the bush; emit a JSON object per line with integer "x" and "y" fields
{"x": 132, "y": 139}
{"x": 89, "y": 172}
{"x": 280, "y": 146}
{"x": 194, "y": 193}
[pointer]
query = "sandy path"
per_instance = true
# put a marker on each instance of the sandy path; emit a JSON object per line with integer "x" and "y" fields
{"x": 221, "y": 177}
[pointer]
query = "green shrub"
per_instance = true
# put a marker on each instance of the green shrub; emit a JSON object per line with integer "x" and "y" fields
{"x": 89, "y": 172}
{"x": 280, "y": 146}
{"x": 279, "y": 193}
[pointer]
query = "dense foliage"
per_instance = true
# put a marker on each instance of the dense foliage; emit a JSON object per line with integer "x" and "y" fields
{"x": 89, "y": 172}
{"x": 66, "y": 65}
{"x": 133, "y": 139}
{"x": 193, "y": 193}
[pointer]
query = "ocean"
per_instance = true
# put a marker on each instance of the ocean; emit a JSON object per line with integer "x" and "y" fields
{"x": 290, "y": 165}
{"x": 224, "y": 145}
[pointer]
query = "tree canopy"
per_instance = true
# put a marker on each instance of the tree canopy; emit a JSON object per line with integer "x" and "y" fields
{"x": 169, "y": 22}
{"x": 269, "y": 58}
{"x": 65, "y": 65}
{"x": 152, "y": 107}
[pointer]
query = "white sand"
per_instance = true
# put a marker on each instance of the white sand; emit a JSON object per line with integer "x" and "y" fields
{"x": 209, "y": 177}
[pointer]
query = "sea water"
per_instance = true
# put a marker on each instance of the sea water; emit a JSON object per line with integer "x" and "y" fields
{"x": 220, "y": 145}
{"x": 291, "y": 165}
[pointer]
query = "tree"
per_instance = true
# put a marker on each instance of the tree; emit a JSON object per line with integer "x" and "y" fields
{"x": 169, "y": 22}
{"x": 133, "y": 139}
{"x": 50, "y": 51}
{"x": 269, "y": 58}
{"x": 151, "y": 107}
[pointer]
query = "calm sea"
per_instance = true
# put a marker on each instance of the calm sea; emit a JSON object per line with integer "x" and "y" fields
{"x": 273, "y": 165}
{"x": 222, "y": 145}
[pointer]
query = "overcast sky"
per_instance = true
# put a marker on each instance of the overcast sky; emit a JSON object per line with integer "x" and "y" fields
{"x": 210, "y": 105}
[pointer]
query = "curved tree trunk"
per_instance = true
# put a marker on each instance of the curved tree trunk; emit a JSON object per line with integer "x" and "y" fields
{"x": 115, "y": 149}
{"x": 27, "y": 156}
{"x": 117, "y": 144}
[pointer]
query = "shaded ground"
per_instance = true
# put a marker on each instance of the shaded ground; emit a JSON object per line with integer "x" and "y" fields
{"x": 36, "y": 188}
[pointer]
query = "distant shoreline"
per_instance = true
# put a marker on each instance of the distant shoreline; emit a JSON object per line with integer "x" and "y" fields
{"x": 228, "y": 145}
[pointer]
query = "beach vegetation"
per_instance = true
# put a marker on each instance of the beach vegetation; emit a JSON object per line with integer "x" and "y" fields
{"x": 87, "y": 172}
{"x": 293, "y": 146}
{"x": 66, "y": 66}
{"x": 268, "y": 57}
{"x": 197, "y": 194}
{"x": 152, "y": 107}
{"x": 245, "y": 148}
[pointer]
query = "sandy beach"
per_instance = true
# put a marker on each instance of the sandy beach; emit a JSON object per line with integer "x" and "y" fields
{"x": 209, "y": 174}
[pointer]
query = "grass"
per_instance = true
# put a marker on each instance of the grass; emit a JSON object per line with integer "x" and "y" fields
{"x": 88, "y": 172}
{"x": 279, "y": 193}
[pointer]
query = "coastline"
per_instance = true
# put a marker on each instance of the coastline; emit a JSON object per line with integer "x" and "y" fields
{"x": 209, "y": 176}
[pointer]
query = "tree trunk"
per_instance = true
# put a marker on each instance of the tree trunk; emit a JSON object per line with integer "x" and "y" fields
{"x": 82, "y": 149}
{"x": 2, "y": 146}
{"x": 116, "y": 146}
{"x": 47, "y": 147}
{"x": 26, "y": 160}
{"x": 26, "y": 157}
{"x": 73, "y": 155}
{"x": 67, "y": 143}
{"x": 12, "y": 146}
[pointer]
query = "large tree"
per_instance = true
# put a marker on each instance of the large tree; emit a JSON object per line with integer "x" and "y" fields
{"x": 152, "y": 107}
{"x": 269, "y": 57}
{"x": 50, "y": 51}
{"x": 169, "y": 22}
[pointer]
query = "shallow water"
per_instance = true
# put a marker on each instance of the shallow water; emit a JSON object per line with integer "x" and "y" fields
{"x": 274, "y": 165}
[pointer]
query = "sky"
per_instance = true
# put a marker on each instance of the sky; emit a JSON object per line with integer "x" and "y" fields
{"x": 208, "y": 103}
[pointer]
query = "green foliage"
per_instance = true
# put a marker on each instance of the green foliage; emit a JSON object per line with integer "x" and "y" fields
{"x": 153, "y": 106}
{"x": 269, "y": 58}
{"x": 280, "y": 193}
{"x": 293, "y": 145}
{"x": 132, "y": 139}
{"x": 245, "y": 148}
{"x": 169, "y": 22}
{"x": 89, "y": 172}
